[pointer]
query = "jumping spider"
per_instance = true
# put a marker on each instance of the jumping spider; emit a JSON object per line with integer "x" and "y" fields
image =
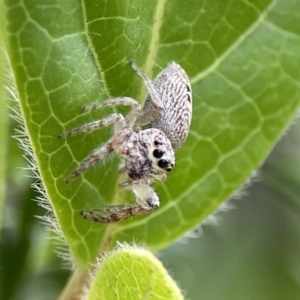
{"x": 145, "y": 139}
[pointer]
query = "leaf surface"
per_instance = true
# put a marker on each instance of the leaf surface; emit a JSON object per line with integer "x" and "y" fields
{"x": 243, "y": 62}
{"x": 133, "y": 274}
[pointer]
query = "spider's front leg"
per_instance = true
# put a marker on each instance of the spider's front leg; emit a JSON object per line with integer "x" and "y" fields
{"x": 147, "y": 201}
{"x": 124, "y": 101}
{"x": 116, "y": 143}
{"x": 105, "y": 122}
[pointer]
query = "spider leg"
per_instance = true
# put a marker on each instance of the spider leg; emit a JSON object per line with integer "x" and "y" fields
{"x": 115, "y": 213}
{"x": 122, "y": 170}
{"x": 156, "y": 104}
{"x": 147, "y": 201}
{"x": 125, "y": 101}
{"x": 116, "y": 143}
{"x": 148, "y": 180}
{"x": 91, "y": 160}
{"x": 117, "y": 119}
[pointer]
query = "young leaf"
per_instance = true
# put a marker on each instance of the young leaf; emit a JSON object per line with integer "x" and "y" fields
{"x": 135, "y": 274}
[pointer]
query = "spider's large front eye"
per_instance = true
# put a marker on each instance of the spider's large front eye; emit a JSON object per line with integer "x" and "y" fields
{"x": 162, "y": 163}
{"x": 158, "y": 153}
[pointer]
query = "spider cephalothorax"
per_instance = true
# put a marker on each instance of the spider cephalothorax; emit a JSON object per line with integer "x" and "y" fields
{"x": 149, "y": 152}
{"x": 145, "y": 140}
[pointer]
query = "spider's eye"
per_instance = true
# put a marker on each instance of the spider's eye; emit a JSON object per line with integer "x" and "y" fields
{"x": 162, "y": 163}
{"x": 156, "y": 143}
{"x": 158, "y": 153}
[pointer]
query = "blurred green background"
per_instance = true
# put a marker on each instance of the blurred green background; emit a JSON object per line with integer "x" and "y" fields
{"x": 250, "y": 251}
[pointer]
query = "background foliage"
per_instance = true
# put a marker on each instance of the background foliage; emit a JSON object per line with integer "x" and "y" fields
{"x": 242, "y": 58}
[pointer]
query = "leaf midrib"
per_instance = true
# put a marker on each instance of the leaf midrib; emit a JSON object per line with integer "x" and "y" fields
{"x": 148, "y": 69}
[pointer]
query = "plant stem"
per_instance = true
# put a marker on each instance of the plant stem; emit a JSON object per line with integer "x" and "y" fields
{"x": 74, "y": 288}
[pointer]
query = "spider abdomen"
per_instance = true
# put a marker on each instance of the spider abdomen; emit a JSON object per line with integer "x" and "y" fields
{"x": 173, "y": 88}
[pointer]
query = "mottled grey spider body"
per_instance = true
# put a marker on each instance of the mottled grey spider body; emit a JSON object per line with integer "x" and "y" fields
{"x": 145, "y": 140}
{"x": 173, "y": 90}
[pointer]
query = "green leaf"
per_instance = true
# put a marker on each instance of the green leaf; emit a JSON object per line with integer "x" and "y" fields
{"x": 243, "y": 62}
{"x": 132, "y": 274}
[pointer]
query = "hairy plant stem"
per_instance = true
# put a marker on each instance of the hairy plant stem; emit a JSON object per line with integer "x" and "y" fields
{"x": 74, "y": 288}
